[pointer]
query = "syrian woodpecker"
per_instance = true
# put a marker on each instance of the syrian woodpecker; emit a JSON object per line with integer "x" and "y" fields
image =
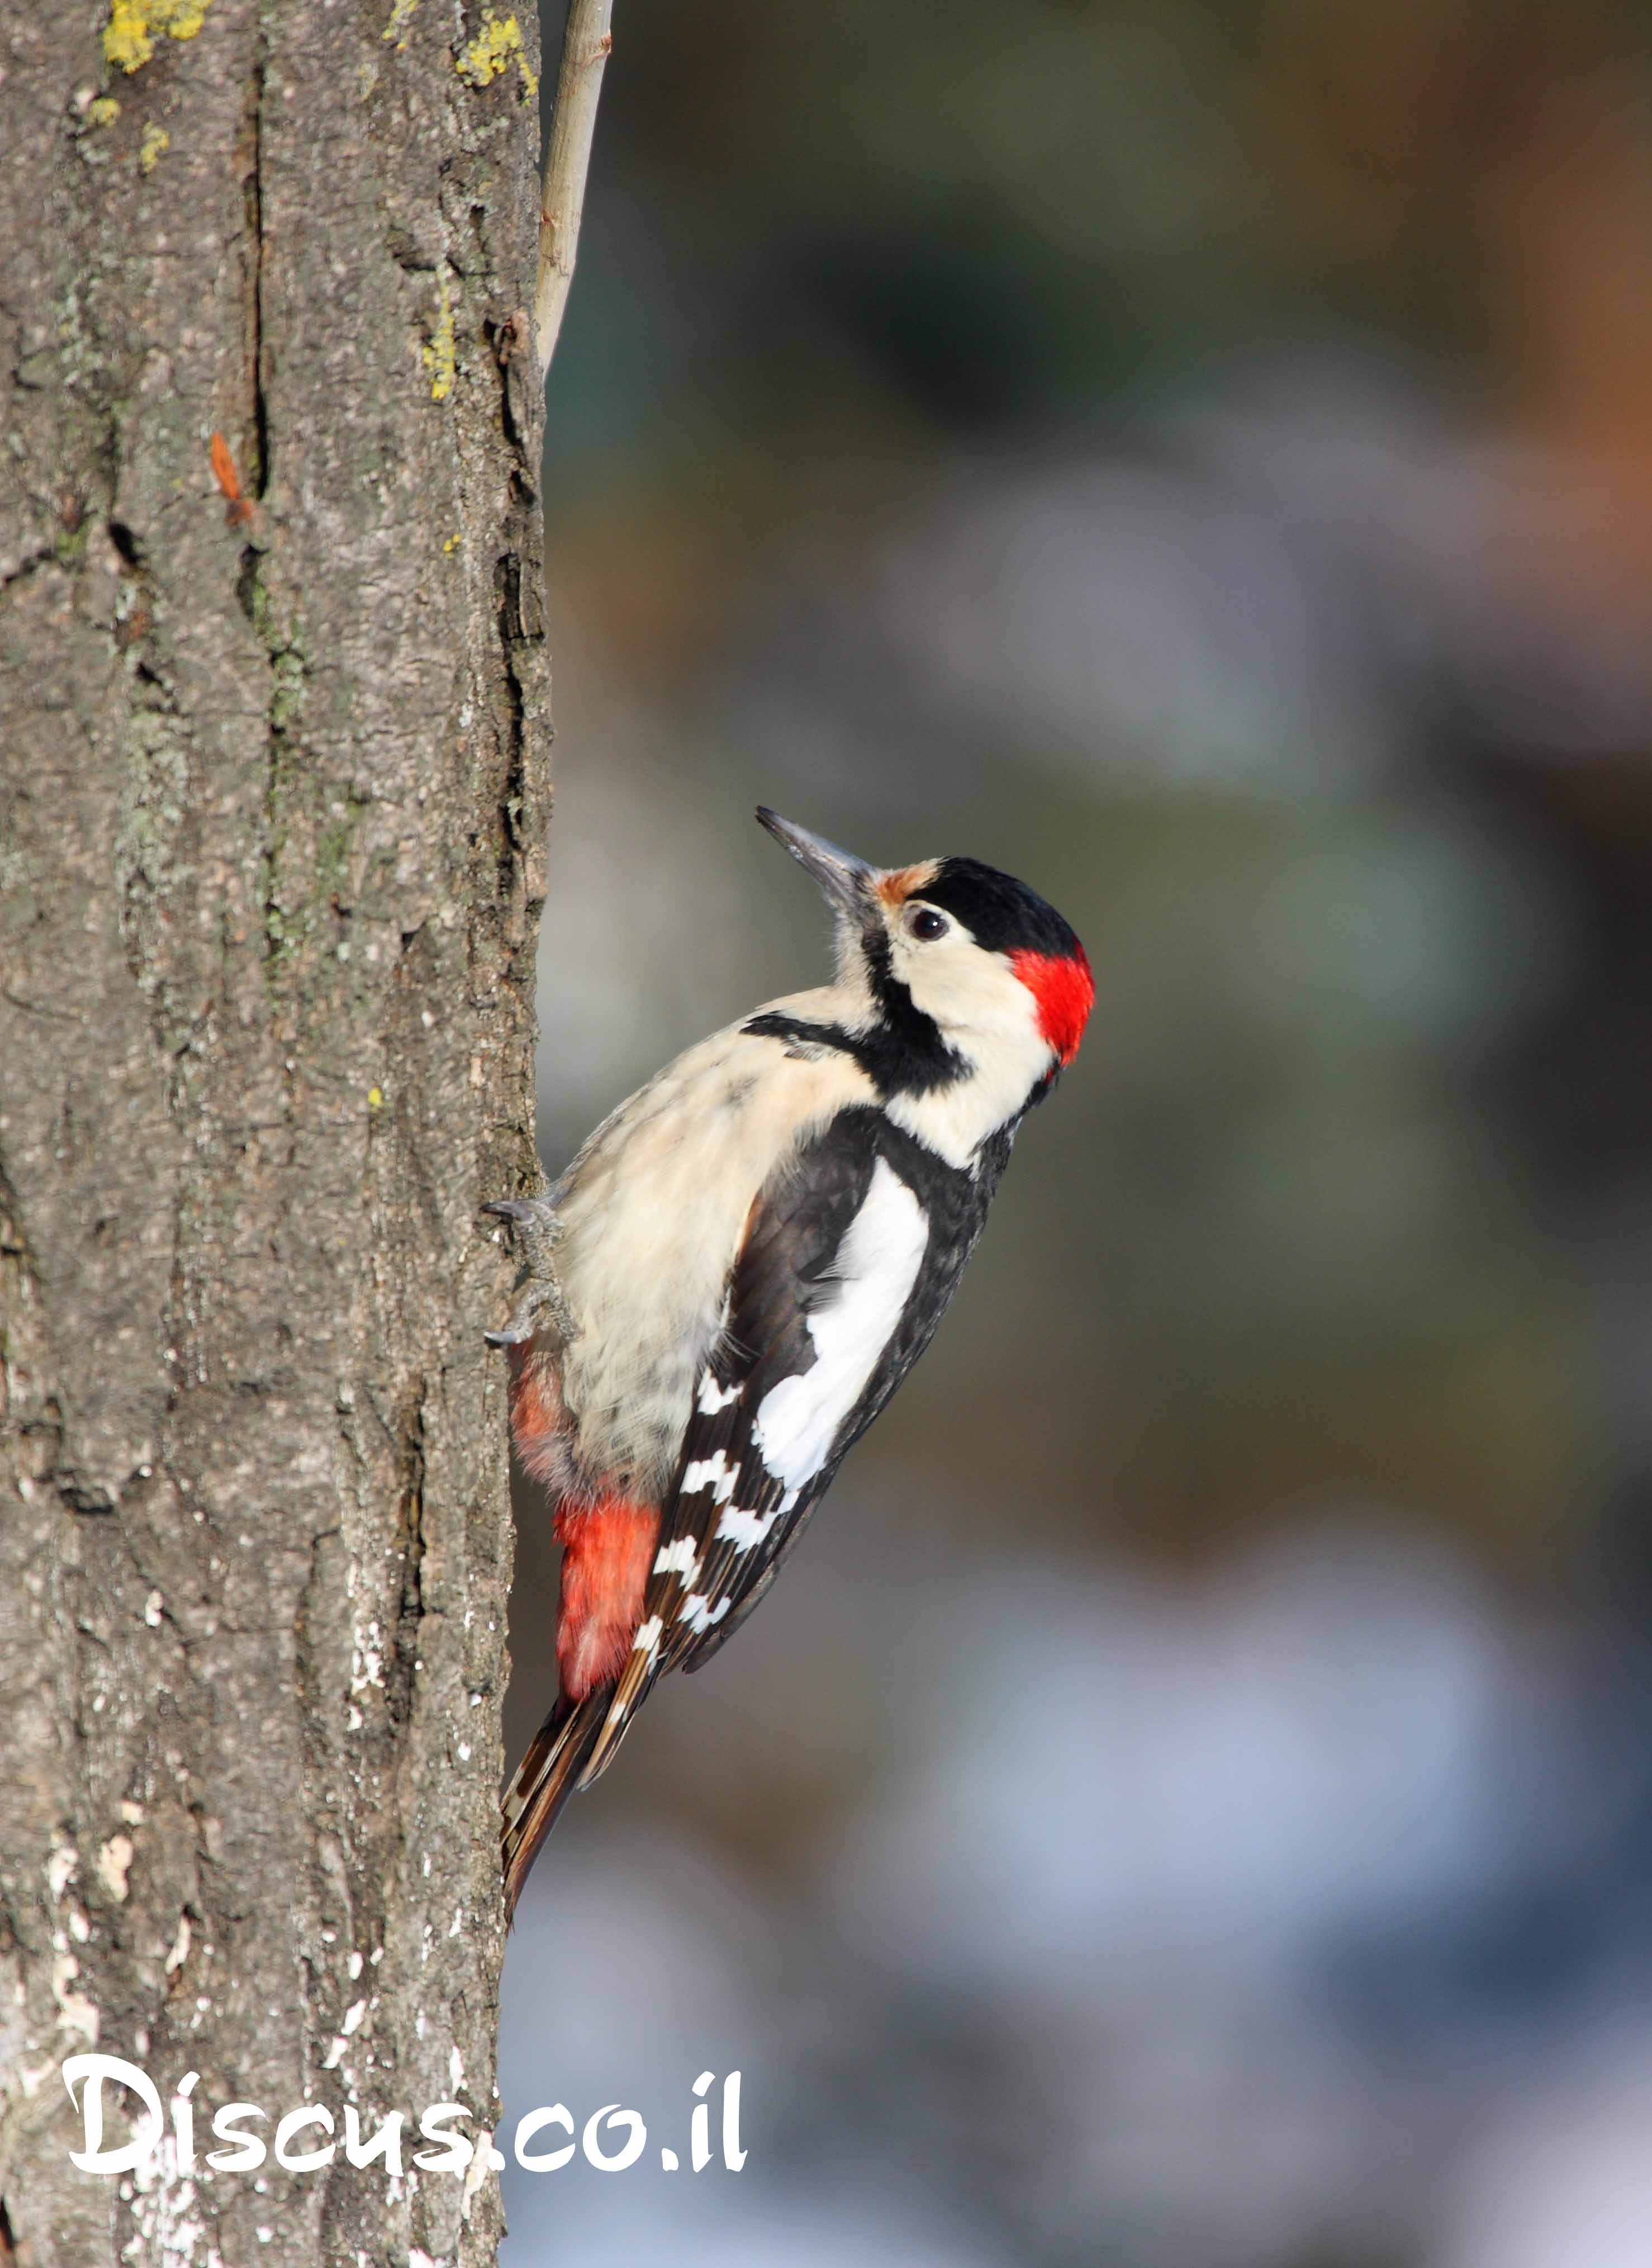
{"x": 745, "y": 1259}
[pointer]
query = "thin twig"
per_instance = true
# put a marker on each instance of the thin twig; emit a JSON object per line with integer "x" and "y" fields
{"x": 584, "y": 49}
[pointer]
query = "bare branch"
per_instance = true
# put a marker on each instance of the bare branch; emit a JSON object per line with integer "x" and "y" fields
{"x": 585, "y": 50}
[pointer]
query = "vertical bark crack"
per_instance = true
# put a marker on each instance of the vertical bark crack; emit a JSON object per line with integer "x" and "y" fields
{"x": 410, "y": 1536}
{"x": 253, "y": 192}
{"x": 252, "y": 588}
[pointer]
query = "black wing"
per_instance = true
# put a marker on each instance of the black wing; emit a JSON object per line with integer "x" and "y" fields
{"x": 829, "y": 1228}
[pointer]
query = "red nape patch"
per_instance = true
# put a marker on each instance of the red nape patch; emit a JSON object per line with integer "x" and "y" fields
{"x": 608, "y": 1552}
{"x": 1062, "y": 985}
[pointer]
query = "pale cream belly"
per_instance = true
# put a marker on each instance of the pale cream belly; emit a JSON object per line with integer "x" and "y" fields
{"x": 653, "y": 1210}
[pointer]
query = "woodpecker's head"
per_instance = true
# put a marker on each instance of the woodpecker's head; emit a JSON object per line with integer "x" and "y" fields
{"x": 965, "y": 967}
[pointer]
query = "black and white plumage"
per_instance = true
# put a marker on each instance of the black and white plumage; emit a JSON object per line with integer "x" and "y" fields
{"x": 745, "y": 1259}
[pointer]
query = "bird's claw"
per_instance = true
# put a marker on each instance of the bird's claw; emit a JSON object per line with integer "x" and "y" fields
{"x": 536, "y": 1230}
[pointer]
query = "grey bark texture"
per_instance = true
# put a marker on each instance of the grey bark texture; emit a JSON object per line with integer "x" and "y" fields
{"x": 274, "y": 795}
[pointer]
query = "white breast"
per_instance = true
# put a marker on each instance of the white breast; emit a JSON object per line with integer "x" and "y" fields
{"x": 877, "y": 1265}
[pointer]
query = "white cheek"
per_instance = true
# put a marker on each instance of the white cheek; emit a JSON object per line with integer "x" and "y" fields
{"x": 965, "y": 990}
{"x": 988, "y": 1016}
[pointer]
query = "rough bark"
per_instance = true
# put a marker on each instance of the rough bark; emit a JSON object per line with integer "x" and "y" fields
{"x": 274, "y": 794}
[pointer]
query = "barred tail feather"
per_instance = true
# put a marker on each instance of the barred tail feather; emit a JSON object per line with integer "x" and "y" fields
{"x": 544, "y": 1780}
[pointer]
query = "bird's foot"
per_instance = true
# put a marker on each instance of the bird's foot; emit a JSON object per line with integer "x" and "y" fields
{"x": 536, "y": 1230}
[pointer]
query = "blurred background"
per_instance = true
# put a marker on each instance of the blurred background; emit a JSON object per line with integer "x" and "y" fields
{"x": 1188, "y": 1803}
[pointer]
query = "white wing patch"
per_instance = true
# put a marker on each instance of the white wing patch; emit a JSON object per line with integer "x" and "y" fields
{"x": 697, "y": 1612}
{"x": 714, "y": 1473}
{"x": 678, "y": 1557}
{"x": 877, "y": 1266}
{"x": 714, "y": 1398}
{"x": 744, "y": 1529}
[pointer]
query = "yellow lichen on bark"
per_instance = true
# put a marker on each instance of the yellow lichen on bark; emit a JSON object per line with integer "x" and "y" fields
{"x": 441, "y": 357}
{"x": 401, "y": 15}
{"x": 497, "y": 46}
{"x": 129, "y": 35}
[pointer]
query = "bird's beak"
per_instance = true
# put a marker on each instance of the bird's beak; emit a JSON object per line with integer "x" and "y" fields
{"x": 840, "y": 874}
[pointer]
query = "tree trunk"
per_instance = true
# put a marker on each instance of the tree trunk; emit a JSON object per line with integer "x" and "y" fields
{"x": 274, "y": 724}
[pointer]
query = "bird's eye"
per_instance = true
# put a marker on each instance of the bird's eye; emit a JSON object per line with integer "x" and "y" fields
{"x": 924, "y": 922}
